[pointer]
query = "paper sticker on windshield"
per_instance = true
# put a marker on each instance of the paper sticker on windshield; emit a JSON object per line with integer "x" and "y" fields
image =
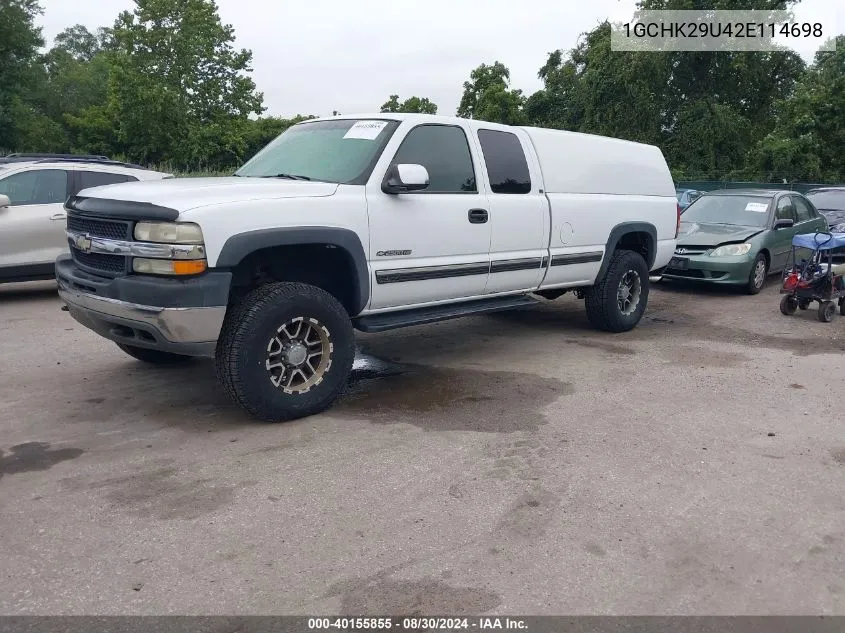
{"x": 759, "y": 207}
{"x": 367, "y": 130}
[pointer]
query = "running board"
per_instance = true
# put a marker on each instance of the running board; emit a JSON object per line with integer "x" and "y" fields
{"x": 421, "y": 316}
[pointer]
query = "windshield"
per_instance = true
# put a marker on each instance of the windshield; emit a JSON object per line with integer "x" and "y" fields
{"x": 735, "y": 210}
{"x": 828, "y": 199}
{"x": 343, "y": 151}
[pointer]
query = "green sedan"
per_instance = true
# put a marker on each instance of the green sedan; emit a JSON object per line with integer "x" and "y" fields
{"x": 739, "y": 237}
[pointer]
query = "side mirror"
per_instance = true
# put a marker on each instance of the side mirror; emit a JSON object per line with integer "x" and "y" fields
{"x": 4, "y": 201}
{"x": 405, "y": 178}
{"x": 784, "y": 223}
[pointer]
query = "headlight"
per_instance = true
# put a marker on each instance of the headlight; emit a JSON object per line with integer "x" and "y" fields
{"x": 731, "y": 250}
{"x": 168, "y": 232}
{"x": 169, "y": 266}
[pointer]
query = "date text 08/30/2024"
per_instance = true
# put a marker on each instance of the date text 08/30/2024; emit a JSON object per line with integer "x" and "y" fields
{"x": 415, "y": 624}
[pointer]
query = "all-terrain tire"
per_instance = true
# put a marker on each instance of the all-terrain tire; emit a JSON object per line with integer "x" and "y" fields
{"x": 789, "y": 305}
{"x": 154, "y": 356}
{"x": 602, "y": 299}
{"x": 250, "y": 344}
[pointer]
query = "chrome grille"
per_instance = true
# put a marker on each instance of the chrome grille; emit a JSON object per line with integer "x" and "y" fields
{"x": 113, "y": 265}
{"x": 111, "y": 229}
{"x": 691, "y": 250}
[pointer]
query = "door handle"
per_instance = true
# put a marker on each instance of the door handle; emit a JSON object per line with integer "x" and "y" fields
{"x": 477, "y": 216}
{"x": 58, "y": 216}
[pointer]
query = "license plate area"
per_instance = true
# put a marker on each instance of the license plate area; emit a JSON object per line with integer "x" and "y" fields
{"x": 679, "y": 263}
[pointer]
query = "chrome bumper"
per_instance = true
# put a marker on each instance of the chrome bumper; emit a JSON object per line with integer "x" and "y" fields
{"x": 189, "y": 331}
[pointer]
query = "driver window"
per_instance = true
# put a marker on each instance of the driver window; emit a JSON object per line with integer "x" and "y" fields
{"x": 785, "y": 209}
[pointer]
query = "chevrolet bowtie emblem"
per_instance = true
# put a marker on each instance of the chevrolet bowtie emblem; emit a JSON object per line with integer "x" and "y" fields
{"x": 83, "y": 243}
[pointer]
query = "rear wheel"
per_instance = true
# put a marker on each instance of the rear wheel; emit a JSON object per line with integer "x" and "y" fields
{"x": 617, "y": 302}
{"x": 788, "y": 305}
{"x": 757, "y": 276}
{"x": 827, "y": 310}
{"x": 154, "y": 356}
{"x": 285, "y": 351}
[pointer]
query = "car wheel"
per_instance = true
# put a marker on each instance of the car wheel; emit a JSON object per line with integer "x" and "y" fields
{"x": 788, "y": 305}
{"x": 154, "y": 356}
{"x": 617, "y": 302}
{"x": 758, "y": 274}
{"x": 286, "y": 351}
{"x": 842, "y": 307}
{"x": 827, "y": 310}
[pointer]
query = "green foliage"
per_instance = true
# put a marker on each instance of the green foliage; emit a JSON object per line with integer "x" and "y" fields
{"x": 488, "y": 97}
{"x": 20, "y": 40}
{"x": 412, "y": 104}
{"x": 185, "y": 99}
{"x": 808, "y": 141}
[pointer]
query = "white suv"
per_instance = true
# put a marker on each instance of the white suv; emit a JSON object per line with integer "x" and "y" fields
{"x": 33, "y": 190}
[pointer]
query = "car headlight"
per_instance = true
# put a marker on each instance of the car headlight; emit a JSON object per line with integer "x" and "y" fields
{"x": 168, "y": 232}
{"x": 731, "y": 250}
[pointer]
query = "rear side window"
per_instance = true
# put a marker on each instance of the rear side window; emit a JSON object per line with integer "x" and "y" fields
{"x": 37, "y": 186}
{"x": 89, "y": 179}
{"x": 507, "y": 168}
{"x": 443, "y": 150}
{"x": 803, "y": 210}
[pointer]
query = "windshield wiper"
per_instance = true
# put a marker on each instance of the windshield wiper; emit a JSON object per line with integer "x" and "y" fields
{"x": 288, "y": 177}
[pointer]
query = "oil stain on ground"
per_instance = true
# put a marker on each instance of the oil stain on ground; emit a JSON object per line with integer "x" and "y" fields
{"x": 164, "y": 493}
{"x": 529, "y": 516}
{"x": 443, "y": 399}
{"x": 381, "y": 594}
{"x": 33, "y": 456}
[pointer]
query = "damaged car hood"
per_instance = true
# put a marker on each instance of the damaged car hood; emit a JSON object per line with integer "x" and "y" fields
{"x": 702, "y": 234}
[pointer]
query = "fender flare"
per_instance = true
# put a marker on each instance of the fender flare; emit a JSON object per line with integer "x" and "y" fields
{"x": 618, "y": 232}
{"x": 237, "y": 247}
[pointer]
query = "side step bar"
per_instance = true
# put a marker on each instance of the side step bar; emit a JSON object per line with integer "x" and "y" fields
{"x": 421, "y": 316}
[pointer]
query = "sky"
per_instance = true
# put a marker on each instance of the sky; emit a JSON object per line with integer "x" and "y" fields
{"x": 351, "y": 55}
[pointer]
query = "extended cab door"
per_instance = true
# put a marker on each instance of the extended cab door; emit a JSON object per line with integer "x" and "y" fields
{"x": 32, "y": 229}
{"x": 430, "y": 245}
{"x": 519, "y": 210}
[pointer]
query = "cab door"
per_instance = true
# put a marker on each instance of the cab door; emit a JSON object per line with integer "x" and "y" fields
{"x": 32, "y": 229}
{"x": 431, "y": 245}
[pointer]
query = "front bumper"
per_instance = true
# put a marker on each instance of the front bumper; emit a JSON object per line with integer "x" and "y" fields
{"x": 182, "y": 316}
{"x": 716, "y": 270}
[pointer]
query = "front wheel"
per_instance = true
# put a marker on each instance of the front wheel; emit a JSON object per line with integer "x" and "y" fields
{"x": 286, "y": 351}
{"x": 788, "y": 305}
{"x": 757, "y": 276}
{"x": 154, "y": 356}
{"x": 617, "y": 302}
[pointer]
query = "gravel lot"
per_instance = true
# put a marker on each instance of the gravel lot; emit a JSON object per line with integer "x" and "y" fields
{"x": 517, "y": 463}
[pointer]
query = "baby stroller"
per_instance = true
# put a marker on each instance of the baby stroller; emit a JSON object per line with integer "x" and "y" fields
{"x": 816, "y": 278}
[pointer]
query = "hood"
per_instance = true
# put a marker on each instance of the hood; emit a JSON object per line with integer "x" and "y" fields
{"x": 702, "y": 234}
{"x": 182, "y": 194}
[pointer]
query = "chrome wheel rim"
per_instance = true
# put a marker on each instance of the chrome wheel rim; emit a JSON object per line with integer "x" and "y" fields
{"x": 299, "y": 355}
{"x": 759, "y": 274}
{"x": 629, "y": 292}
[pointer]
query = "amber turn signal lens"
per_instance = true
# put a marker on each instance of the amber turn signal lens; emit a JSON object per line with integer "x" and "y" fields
{"x": 189, "y": 267}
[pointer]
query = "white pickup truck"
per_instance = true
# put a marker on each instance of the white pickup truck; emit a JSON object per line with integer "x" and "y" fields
{"x": 370, "y": 223}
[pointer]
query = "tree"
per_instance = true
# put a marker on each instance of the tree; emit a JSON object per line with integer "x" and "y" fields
{"x": 487, "y": 96}
{"x": 184, "y": 99}
{"x": 806, "y": 144}
{"x": 412, "y": 104}
{"x": 20, "y": 40}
